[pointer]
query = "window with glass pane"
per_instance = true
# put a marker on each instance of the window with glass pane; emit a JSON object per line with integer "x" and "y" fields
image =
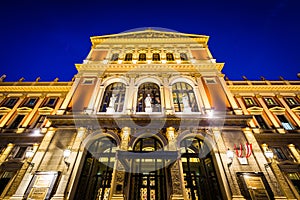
{"x": 181, "y": 89}
{"x": 142, "y": 57}
{"x": 295, "y": 178}
{"x": 285, "y": 123}
{"x": 262, "y": 123}
{"x": 170, "y": 57}
{"x": 249, "y": 101}
{"x": 270, "y": 101}
{"x": 118, "y": 89}
{"x": 156, "y": 57}
{"x": 51, "y": 101}
{"x": 115, "y": 57}
{"x": 39, "y": 122}
{"x": 128, "y": 57}
{"x": 5, "y": 177}
{"x": 279, "y": 153}
{"x": 148, "y": 182}
{"x": 18, "y": 119}
{"x": 183, "y": 57}
{"x": 10, "y": 102}
{"x": 96, "y": 175}
{"x": 143, "y": 91}
{"x": 291, "y": 101}
{"x": 30, "y": 102}
{"x": 200, "y": 177}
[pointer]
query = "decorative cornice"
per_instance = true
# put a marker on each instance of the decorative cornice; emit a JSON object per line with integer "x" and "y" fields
{"x": 34, "y": 88}
{"x": 150, "y": 67}
{"x": 269, "y": 88}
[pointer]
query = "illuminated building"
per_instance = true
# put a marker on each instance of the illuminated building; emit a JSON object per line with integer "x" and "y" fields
{"x": 198, "y": 137}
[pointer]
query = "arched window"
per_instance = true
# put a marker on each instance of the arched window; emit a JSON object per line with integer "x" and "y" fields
{"x": 170, "y": 57}
{"x": 115, "y": 57}
{"x": 198, "y": 170}
{"x": 154, "y": 91}
{"x": 96, "y": 175}
{"x": 183, "y": 57}
{"x": 142, "y": 57}
{"x": 156, "y": 57}
{"x": 128, "y": 57}
{"x": 118, "y": 89}
{"x": 148, "y": 180}
{"x": 182, "y": 91}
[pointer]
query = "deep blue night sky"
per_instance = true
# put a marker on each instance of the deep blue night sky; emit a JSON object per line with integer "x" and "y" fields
{"x": 47, "y": 37}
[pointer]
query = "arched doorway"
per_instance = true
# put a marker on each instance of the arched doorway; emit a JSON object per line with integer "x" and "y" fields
{"x": 148, "y": 176}
{"x": 96, "y": 175}
{"x": 198, "y": 169}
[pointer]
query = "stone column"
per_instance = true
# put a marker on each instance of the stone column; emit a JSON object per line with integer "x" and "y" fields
{"x": 229, "y": 95}
{"x": 70, "y": 94}
{"x": 6, "y": 152}
{"x": 291, "y": 113}
{"x": 117, "y": 184}
{"x": 37, "y": 159}
{"x": 32, "y": 113}
{"x": 176, "y": 171}
{"x": 294, "y": 152}
{"x": 203, "y": 94}
{"x": 65, "y": 178}
{"x": 128, "y": 104}
{"x": 90, "y": 109}
{"x": 168, "y": 95}
{"x": 227, "y": 172}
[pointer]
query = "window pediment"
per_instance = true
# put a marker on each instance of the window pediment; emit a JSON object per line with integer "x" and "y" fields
{"x": 297, "y": 109}
{"x": 45, "y": 110}
{"x": 255, "y": 110}
{"x": 24, "y": 110}
{"x": 278, "y": 110}
{"x": 4, "y": 110}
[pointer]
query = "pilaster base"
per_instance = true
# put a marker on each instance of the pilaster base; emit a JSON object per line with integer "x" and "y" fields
{"x": 117, "y": 197}
{"x": 177, "y": 197}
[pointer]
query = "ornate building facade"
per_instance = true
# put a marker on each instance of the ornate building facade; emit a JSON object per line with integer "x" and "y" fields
{"x": 150, "y": 116}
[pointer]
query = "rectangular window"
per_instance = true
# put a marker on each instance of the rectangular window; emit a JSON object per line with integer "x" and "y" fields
{"x": 18, "y": 152}
{"x": 30, "y": 102}
{"x": 15, "y": 124}
{"x": 5, "y": 178}
{"x": 285, "y": 123}
{"x": 295, "y": 179}
{"x": 10, "y": 102}
{"x": 279, "y": 153}
{"x": 39, "y": 122}
{"x": 249, "y": 101}
{"x": 88, "y": 81}
{"x": 210, "y": 80}
{"x": 291, "y": 101}
{"x": 262, "y": 123}
{"x": 51, "y": 101}
{"x": 270, "y": 101}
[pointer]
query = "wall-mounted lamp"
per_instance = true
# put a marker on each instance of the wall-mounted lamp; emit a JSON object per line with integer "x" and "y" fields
{"x": 229, "y": 154}
{"x": 29, "y": 154}
{"x": 66, "y": 154}
{"x": 269, "y": 155}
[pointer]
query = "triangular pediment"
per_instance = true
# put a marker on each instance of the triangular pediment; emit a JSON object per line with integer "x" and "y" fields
{"x": 277, "y": 110}
{"x": 296, "y": 109}
{"x": 45, "y": 110}
{"x": 4, "y": 110}
{"x": 255, "y": 110}
{"x": 24, "y": 110}
{"x": 148, "y": 33}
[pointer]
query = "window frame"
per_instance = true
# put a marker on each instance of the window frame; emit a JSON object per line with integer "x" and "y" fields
{"x": 9, "y": 104}
{"x": 114, "y": 57}
{"x": 156, "y": 57}
{"x": 247, "y": 104}
{"x": 154, "y": 90}
{"x": 178, "y": 90}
